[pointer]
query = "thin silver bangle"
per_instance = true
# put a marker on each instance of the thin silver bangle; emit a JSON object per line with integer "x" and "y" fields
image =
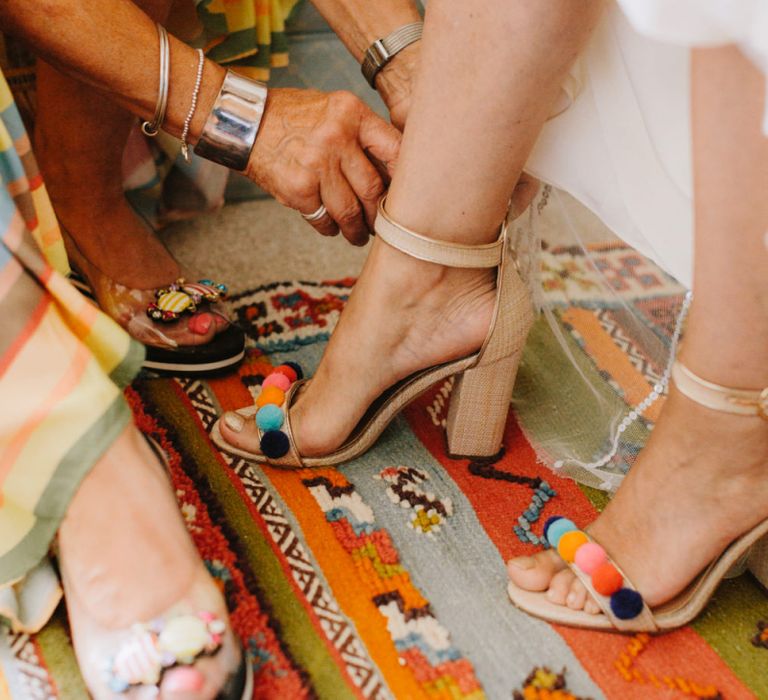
{"x": 152, "y": 128}
{"x": 193, "y": 106}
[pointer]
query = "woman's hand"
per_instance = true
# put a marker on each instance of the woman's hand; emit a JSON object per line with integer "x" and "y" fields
{"x": 329, "y": 149}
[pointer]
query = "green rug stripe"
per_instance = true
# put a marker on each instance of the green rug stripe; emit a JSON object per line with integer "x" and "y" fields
{"x": 728, "y": 624}
{"x": 296, "y": 631}
{"x": 59, "y": 657}
{"x": 547, "y": 378}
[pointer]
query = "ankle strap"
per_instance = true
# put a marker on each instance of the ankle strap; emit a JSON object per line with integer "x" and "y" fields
{"x": 439, "y": 252}
{"x": 745, "y": 402}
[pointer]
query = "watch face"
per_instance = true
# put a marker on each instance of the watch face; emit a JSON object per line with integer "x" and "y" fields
{"x": 762, "y": 404}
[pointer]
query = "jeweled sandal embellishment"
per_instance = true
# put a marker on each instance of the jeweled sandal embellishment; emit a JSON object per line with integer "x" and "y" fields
{"x": 184, "y": 297}
{"x": 162, "y": 644}
{"x": 271, "y": 414}
{"x": 575, "y": 547}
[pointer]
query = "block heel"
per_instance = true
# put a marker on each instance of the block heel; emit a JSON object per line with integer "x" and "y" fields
{"x": 478, "y": 408}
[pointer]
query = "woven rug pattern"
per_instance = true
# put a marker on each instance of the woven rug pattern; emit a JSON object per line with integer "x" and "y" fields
{"x": 385, "y": 577}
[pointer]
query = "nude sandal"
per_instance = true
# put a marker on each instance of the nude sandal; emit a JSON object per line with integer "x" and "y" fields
{"x": 484, "y": 380}
{"x": 622, "y": 605}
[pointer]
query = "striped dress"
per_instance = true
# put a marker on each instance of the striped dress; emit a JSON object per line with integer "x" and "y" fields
{"x": 63, "y": 364}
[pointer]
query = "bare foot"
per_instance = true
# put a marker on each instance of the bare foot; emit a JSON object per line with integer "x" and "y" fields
{"x": 699, "y": 484}
{"x": 404, "y": 315}
{"x": 126, "y": 558}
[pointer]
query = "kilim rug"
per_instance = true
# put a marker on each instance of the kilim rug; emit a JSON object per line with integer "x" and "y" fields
{"x": 385, "y": 578}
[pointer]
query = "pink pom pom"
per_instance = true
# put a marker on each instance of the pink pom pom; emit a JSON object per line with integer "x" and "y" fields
{"x": 589, "y": 556}
{"x": 278, "y": 380}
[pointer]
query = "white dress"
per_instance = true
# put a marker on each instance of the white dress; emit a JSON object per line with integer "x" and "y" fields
{"x": 620, "y": 143}
{"x": 623, "y": 145}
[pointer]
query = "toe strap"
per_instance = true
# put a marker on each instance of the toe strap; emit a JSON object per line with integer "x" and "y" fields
{"x": 273, "y": 418}
{"x": 617, "y": 597}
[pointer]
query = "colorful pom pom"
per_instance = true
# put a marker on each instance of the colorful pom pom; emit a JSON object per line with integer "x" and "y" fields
{"x": 549, "y": 521}
{"x": 277, "y": 379}
{"x": 569, "y": 543}
{"x": 274, "y": 444}
{"x": 270, "y": 394}
{"x": 626, "y": 604}
{"x": 288, "y": 371}
{"x": 558, "y": 529}
{"x": 296, "y": 368}
{"x": 606, "y": 579}
{"x": 270, "y": 417}
{"x": 589, "y": 556}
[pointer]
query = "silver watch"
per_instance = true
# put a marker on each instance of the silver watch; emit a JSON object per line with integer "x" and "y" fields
{"x": 382, "y": 51}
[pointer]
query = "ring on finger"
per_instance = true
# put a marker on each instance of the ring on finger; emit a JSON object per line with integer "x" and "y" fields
{"x": 316, "y": 215}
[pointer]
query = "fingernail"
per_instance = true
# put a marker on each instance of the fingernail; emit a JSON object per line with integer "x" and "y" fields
{"x": 234, "y": 422}
{"x": 200, "y": 324}
{"x": 523, "y": 563}
{"x": 571, "y": 599}
{"x": 184, "y": 680}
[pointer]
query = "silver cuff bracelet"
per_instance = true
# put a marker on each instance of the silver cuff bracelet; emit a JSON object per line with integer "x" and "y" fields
{"x": 382, "y": 51}
{"x": 233, "y": 123}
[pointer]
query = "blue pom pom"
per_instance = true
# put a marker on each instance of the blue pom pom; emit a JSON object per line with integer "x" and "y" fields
{"x": 549, "y": 521}
{"x": 270, "y": 417}
{"x": 274, "y": 444}
{"x": 557, "y": 529}
{"x": 296, "y": 368}
{"x": 626, "y": 604}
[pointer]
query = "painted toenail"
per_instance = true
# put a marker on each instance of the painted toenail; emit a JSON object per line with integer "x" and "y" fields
{"x": 234, "y": 422}
{"x": 200, "y": 324}
{"x": 184, "y": 680}
{"x": 523, "y": 563}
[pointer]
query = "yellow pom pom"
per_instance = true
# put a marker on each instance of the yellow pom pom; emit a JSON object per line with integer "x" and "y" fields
{"x": 569, "y": 543}
{"x": 271, "y": 394}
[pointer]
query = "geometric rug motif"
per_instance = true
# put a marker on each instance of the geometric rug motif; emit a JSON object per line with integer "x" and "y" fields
{"x": 385, "y": 577}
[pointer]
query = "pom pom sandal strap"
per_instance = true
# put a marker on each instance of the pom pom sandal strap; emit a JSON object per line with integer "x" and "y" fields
{"x": 642, "y": 622}
{"x": 745, "y": 402}
{"x": 439, "y": 252}
{"x": 617, "y": 597}
{"x": 291, "y": 458}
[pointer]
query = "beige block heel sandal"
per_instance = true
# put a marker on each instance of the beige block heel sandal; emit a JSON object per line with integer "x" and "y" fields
{"x": 622, "y": 605}
{"x": 484, "y": 380}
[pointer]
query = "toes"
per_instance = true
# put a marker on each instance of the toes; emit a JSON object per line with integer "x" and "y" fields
{"x": 240, "y": 431}
{"x": 560, "y": 586}
{"x": 534, "y": 573}
{"x": 182, "y": 682}
{"x": 591, "y": 607}
{"x": 577, "y": 595}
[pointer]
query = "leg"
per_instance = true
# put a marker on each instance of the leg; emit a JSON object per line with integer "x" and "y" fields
{"x": 79, "y": 141}
{"x": 134, "y": 566}
{"x": 690, "y": 492}
{"x": 489, "y": 76}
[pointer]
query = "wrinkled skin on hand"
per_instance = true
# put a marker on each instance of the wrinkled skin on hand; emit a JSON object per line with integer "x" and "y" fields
{"x": 318, "y": 148}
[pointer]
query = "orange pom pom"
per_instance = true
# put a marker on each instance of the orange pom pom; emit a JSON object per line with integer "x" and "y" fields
{"x": 271, "y": 394}
{"x": 606, "y": 579}
{"x": 569, "y": 543}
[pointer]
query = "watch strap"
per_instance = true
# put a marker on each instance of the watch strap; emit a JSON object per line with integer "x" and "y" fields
{"x": 382, "y": 51}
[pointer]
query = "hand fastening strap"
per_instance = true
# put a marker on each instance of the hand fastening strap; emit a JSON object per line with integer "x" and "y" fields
{"x": 439, "y": 252}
